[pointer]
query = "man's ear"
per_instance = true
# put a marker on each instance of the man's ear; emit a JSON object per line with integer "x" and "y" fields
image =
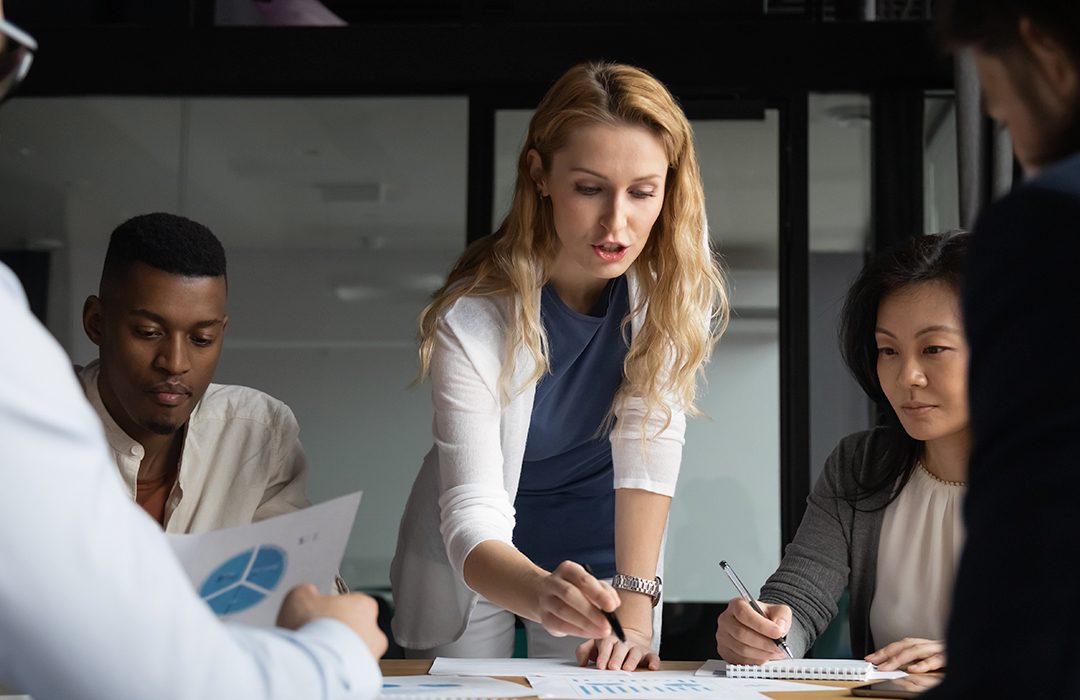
{"x": 1053, "y": 60}
{"x": 93, "y": 320}
{"x": 536, "y": 171}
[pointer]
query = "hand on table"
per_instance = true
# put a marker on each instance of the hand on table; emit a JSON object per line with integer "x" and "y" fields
{"x": 744, "y": 637}
{"x": 609, "y": 653}
{"x": 912, "y": 654}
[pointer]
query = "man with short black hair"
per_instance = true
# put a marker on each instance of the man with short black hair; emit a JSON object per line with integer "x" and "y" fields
{"x": 196, "y": 456}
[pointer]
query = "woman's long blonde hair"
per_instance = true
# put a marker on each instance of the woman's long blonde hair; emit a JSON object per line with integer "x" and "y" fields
{"x": 679, "y": 277}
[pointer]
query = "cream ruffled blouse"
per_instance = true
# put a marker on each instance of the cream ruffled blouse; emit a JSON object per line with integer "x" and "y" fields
{"x": 922, "y": 536}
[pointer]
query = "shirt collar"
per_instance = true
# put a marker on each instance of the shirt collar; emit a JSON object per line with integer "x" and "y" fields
{"x": 127, "y": 448}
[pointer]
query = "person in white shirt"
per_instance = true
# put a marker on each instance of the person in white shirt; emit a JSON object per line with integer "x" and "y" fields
{"x": 93, "y": 604}
{"x": 563, "y": 353}
{"x": 196, "y": 456}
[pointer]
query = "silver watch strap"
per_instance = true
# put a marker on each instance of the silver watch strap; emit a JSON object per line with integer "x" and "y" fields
{"x": 649, "y": 587}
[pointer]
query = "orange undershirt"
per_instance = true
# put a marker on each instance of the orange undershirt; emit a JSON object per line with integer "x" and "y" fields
{"x": 152, "y": 494}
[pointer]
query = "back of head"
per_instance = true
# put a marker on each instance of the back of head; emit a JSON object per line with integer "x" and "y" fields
{"x": 1027, "y": 54}
{"x": 992, "y": 26}
{"x": 166, "y": 242}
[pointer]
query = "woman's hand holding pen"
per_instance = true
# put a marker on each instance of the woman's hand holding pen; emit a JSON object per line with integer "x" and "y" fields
{"x": 912, "y": 654}
{"x": 745, "y": 637}
{"x": 572, "y": 602}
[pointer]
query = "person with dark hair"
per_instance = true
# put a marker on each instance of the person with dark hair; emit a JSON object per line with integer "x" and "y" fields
{"x": 884, "y": 519}
{"x": 196, "y": 456}
{"x": 93, "y": 603}
{"x": 1020, "y": 294}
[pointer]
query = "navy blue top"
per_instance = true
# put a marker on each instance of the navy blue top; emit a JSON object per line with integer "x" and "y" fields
{"x": 566, "y": 497}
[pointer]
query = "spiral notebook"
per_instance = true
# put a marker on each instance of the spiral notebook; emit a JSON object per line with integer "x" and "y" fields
{"x": 806, "y": 670}
{"x": 797, "y": 670}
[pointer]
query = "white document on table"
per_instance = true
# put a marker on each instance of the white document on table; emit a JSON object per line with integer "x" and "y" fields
{"x": 645, "y": 684}
{"x": 444, "y": 666}
{"x": 450, "y": 688}
{"x": 243, "y": 573}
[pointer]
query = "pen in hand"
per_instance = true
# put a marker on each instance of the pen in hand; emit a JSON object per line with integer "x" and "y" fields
{"x": 612, "y": 620}
{"x": 782, "y": 641}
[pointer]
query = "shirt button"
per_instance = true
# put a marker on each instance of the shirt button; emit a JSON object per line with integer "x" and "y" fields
{"x": 136, "y": 451}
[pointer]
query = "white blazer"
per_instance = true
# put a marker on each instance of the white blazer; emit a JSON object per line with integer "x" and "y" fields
{"x": 465, "y": 491}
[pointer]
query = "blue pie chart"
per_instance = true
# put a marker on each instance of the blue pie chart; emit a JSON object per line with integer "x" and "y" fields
{"x": 244, "y": 580}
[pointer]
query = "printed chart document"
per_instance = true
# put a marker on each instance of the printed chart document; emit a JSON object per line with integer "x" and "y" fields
{"x": 450, "y": 688}
{"x": 444, "y": 666}
{"x": 651, "y": 685}
{"x": 243, "y": 573}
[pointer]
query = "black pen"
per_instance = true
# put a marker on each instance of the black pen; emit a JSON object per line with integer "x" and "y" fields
{"x": 782, "y": 641}
{"x": 614, "y": 621}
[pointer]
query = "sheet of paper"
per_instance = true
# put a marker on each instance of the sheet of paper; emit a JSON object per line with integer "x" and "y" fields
{"x": 450, "y": 688}
{"x": 717, "y": 668}
{"x": 886, "y": 675}
{"x": 444, "y": 666}
{"x": 243, "y": 573}
{"x": 640, "y": 685}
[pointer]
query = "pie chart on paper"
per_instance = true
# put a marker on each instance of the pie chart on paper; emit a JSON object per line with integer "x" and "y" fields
{"x": 244, "y": 580}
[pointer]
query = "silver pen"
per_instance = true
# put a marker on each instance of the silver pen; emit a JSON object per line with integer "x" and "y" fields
{"x": 782, "y": 642}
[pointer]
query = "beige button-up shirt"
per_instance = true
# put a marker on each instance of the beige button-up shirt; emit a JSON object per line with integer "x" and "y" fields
{"x": 241, "y": 460}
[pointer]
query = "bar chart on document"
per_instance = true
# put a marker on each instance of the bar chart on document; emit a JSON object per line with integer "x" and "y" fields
{"x": 676, "y": 687}
{"x": 639, "y": 685}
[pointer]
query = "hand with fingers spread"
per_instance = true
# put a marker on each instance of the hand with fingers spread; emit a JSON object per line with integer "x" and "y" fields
{"x": 911, "y": 654}
{"x": 745, "y": 637}
{"x": 609, "y": 653}
{"x": 572, "y": 602}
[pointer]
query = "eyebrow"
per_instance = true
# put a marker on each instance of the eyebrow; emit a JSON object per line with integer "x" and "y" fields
{"x": 604, "y": 177}
{"x": 937, "y": 329}
{"x": 924, "y": 331}
{"x": 156, "y": 318}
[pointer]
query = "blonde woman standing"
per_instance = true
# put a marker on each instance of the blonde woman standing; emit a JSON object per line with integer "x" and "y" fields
{"x": 563, "y": 353}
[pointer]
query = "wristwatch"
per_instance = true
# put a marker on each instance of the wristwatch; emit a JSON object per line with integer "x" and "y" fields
{"x": 639, "y": 585}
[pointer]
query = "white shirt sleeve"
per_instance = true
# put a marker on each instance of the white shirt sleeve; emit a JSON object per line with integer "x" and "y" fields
{"x": 474, "y": 504}
{"x": 92, "y": 602}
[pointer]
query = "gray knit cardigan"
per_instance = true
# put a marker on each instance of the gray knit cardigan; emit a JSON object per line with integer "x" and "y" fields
{"x": 835, "y": 548}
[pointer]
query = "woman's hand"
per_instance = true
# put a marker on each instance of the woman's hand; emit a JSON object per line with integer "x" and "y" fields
{"x": 744, "y": 637}
{"x": 912, "y": 654}
{"x": 571, "y": 601}
{"x": 611, "y": 654}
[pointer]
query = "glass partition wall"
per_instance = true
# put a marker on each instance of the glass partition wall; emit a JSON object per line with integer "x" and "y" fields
{"x": 341, "y": 215}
